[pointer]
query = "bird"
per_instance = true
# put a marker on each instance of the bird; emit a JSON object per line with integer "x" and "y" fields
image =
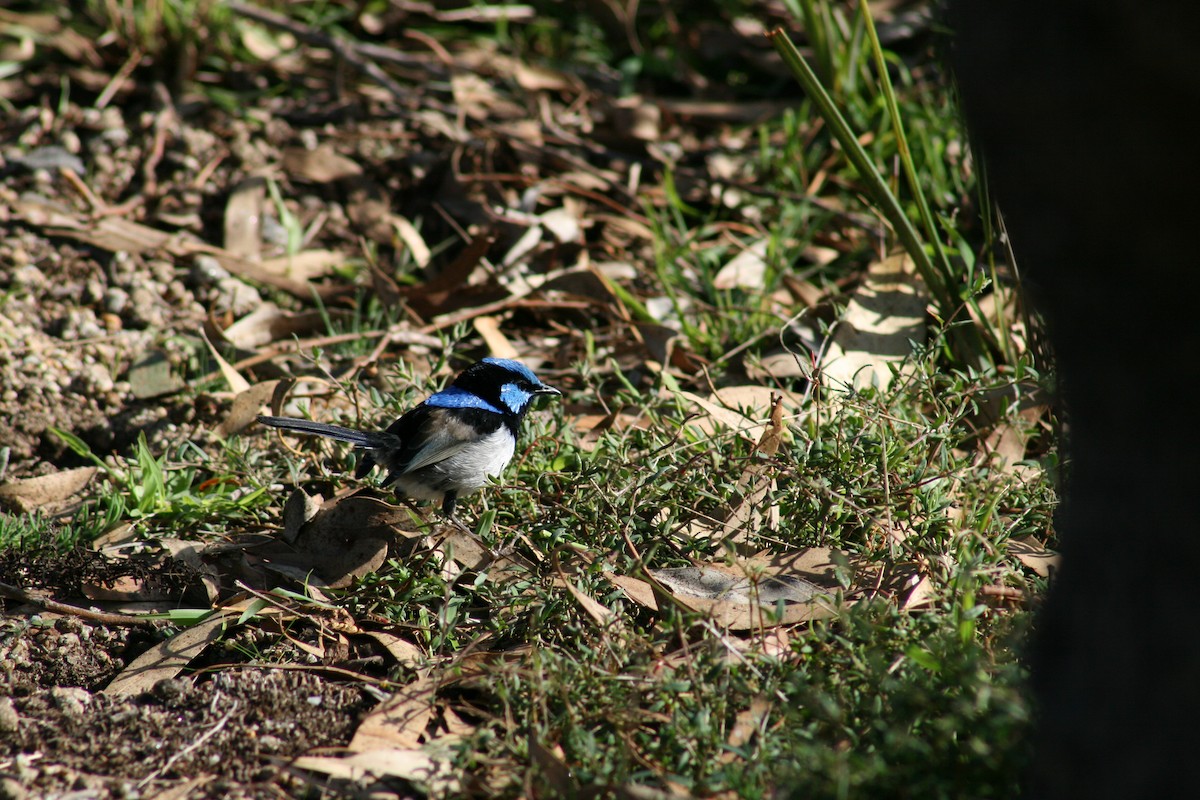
{"x": 451, "y": 443}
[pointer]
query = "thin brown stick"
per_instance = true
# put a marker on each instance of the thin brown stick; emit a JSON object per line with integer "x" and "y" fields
{"x": 10, "y": 592}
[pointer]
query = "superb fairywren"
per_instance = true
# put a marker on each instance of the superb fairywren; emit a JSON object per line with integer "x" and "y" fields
{"x": 450, "y": 444}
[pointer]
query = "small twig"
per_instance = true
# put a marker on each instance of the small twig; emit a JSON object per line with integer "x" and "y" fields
{"x": 1003, "y": 592}
{"x": 11, "y": 592}
{"x": 118, "y": 80}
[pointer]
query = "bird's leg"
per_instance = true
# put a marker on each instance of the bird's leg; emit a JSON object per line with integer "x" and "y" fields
{"x": 448, "y": 511}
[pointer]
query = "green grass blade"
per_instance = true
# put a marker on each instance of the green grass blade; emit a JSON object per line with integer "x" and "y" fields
{"x": 906, "y": 160}
{"x": 967, "y": 338}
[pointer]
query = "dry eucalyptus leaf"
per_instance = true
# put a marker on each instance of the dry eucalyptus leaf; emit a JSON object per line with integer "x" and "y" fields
{"x": 717, "y": 582}
{"x": 497, "y": 343}
{"x": 413, "y": 240}
{"x": 728, "y": 406}
{"x": 31, "y": 494}
{"x": 921, "y": 595}
{"x": 885, "y": 315}
{"x": 601, "y": 614}
{"x": 245, "y": 408}
{"x": 401, "y": 720}
{"x": 298, "y": 510}
{"x": 305, "y": 265}
{"x": 168, "y": 658}
{"x": 406, "y": 654}
{"x": 639, "y": 591}
{"x": 424, "y": 767}
{"x": 234, "y": 378}
{"x": 1033, "y": 554}
{"x": 268, "y": 323}
{"x": 348, "y": 539}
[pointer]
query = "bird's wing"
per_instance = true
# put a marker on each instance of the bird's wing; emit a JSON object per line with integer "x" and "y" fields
{"x": 437, "y": 447}
{"x": 433, "y": 434}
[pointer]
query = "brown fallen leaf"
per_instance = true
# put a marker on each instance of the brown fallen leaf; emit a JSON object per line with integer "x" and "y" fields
{"x": 117, "y": 234}
{"x": 30, "y": 494}
{"x": 245, "y": 408}
{"x": 1033, "y": 554}
{"x": 406, "y": 654}
{"x": 269, "y": 323}
{"x": 305, "y": 265}
{"x": 885, "y": 315}
{"x": 349, "y": 538}
{"x": 400, "y": 722}
{"x": 322, "y": 164}
{"x": 167, "y": 659}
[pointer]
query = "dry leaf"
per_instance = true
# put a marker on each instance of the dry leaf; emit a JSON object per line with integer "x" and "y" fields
{"x": 603, "y": 615}
{"x": 748, "y": 722}
{"x": 245, "y": 408}
{"x": 637, "y": 590}
{"x": 234, "y": 378}
{"x": 412, "y": 239}
{"x": 885, "y": 315}
{"x": 118, "y": 234}
{"x": 268, "y": 323}
{"x": 746, "y": 270}
{"x": 349, "y": 538}
{"x": 167, "y": 659}
{"x": 717, "y": 582}
{"x": 305, "y": 265}
{"x": 298, "y": 510}
{"x": 30, "y": 494}
{"x": 497, "y": 343}
{"x": 921, "y": 595}
{"x": 538, "y": 78}
{"x": 244, "y": 218}
{"x": 319, "y": 165}
{"x": 417, "y": 765}
{"x": 400, "y": 721}
{"x": 1033, "y": 554}
{"x": 406, "y": 654}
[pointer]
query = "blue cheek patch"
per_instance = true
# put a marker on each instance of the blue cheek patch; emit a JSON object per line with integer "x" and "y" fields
{"x": 459, "y": 398}
{"x": 514, "y": 397}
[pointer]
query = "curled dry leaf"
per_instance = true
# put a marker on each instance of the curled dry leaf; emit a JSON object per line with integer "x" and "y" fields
{"x": 298, "y": 511}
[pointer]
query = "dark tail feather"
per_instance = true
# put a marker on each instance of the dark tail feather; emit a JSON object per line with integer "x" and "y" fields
{"x": 359, "y": 438}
